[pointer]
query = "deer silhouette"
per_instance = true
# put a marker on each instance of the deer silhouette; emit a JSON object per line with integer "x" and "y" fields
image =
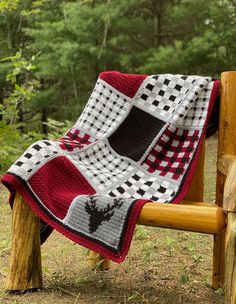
{"x": 99, "y": 215}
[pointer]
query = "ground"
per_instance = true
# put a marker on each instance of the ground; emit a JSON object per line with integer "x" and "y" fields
{"x": 163, "y": 266}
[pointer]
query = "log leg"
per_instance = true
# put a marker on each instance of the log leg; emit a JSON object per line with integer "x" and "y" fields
{"x": 218, "y": 274}
{"x": 97, "y": 261}
{"x": 25, "y": 261}
{"x": 230, "y": 265}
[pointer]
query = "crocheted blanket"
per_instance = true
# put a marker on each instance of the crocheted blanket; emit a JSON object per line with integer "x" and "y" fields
{"x": 137, "y": 140}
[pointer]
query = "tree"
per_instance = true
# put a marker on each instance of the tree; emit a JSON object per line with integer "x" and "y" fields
{"x": 206, "y": 48}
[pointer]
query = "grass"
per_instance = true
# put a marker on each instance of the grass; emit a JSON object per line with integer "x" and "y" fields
{"x": 163, "y": 266}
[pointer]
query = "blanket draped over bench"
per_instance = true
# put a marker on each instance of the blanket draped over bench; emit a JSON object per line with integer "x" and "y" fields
{"x": 137, "y": 140}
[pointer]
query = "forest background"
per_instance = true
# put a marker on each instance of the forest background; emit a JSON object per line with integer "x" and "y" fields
{"x": 52, "y": 52}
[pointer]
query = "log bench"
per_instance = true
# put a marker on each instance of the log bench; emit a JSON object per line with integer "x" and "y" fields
{"x": 192, "y": 214}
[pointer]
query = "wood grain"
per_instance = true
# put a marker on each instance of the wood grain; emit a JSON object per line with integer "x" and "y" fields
{"x": 191, "y": 216}
{"x": 227, "y": 126}
{"x": 224, "y": 163}
{"x": 25, "y": 261}
{"x": 196, "y": 190}
{"x": 230, "y": 265}
{"x": 218, "y": 271}
{"x": 229, "y": 203}
{"x": 226, "y": 145}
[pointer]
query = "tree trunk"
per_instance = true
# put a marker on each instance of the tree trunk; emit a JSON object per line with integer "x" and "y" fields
{"x": 21, "y": 117}
{"x": 44, "y": 120}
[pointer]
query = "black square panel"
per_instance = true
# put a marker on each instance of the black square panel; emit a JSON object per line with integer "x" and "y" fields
{"x": 135, "y": 134}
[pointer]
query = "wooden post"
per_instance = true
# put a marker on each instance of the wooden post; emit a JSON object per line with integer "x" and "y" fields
{"x": 196, "y": 190}
{"x": 25, "y": 262}
{"x": 218, "y": 275}
{"x": 226, "y": 145}
{"x": 229, "y": 205}
{"x": 227, "y": 126}
{"x": 230, "y": 265}
{"x": 97, "y": 261}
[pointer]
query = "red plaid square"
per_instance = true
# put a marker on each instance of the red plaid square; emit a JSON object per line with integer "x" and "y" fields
{"x": 75, "y": 139}
{"x": 172, "y": 152}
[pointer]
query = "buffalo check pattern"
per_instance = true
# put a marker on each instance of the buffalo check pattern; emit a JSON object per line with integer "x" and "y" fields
{"x": 172, "y": 152}
{"x": 170, "y": 97}
{"x": 101, "y": 166}
{"x": 75, "y": 139}
{"x": 196, "y": 115}
{"x": 36, "y": 156}
{"x": 137, "y": 140}
{"x": 139, "y": 185}
{"x": 104, "y": 111}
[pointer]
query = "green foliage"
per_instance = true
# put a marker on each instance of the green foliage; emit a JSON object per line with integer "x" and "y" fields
{"x": 141, "y": 233}
{"x": 219, "y": 291}
{"x": 170, "y": 242}
{"x": 204, "y": 44}
{"x": 4, "y": 245}
{"x": 148, "y": 248}
{"x": 23, "y": 87}
{"x": 12, "y": 143}
{"x": 136, "y": 297}
{"x": 57, "y": 128}
{"x": 8, "y": 5}
{"x": 184, "y": 276}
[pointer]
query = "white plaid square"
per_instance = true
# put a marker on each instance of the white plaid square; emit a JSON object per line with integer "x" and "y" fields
{"x": 142, "y": 185}
{"x": 35, "y": 157}
{"x": 101, "y": 165}
{"x": 196, "y": 115}
{"x": 104, "y": 110}
{"x": 169, "y": 97}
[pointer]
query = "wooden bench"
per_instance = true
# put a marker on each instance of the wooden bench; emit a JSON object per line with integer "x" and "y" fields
{"x": 193, "y": 214}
